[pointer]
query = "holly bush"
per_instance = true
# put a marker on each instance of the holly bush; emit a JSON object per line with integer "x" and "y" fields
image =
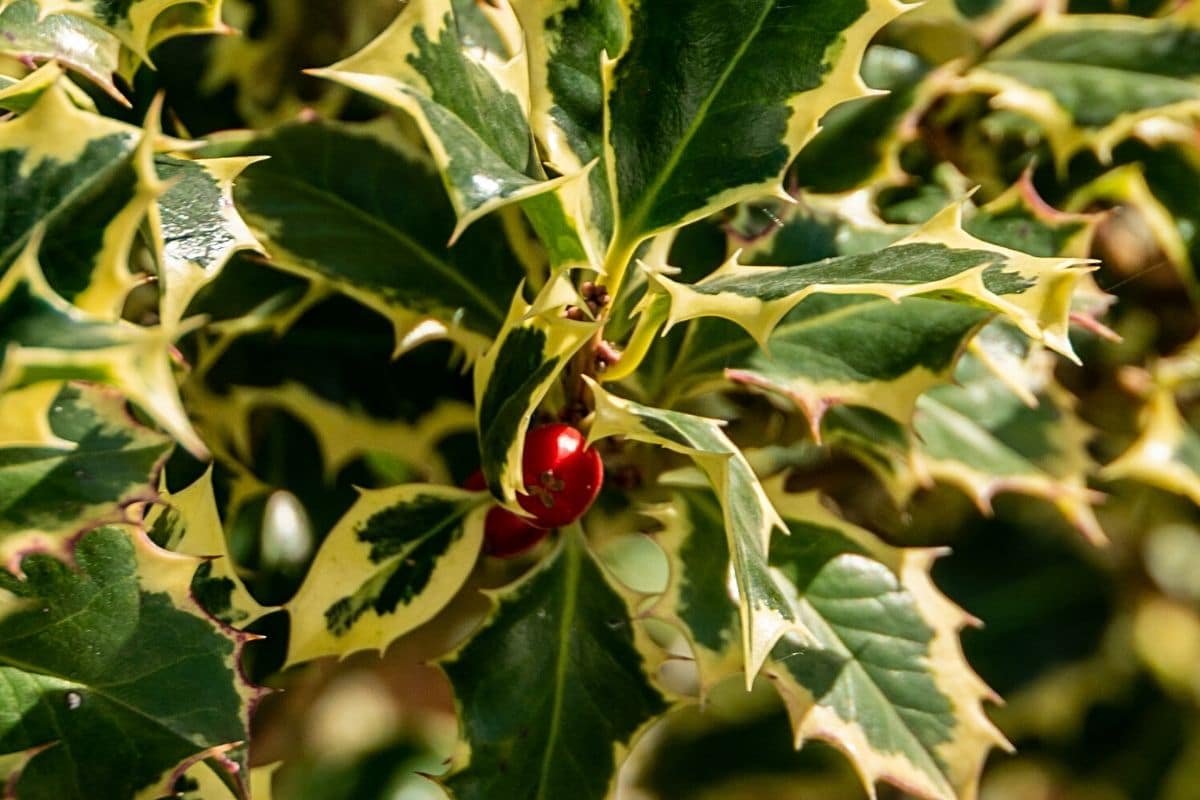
{"x": 571, "y": 399}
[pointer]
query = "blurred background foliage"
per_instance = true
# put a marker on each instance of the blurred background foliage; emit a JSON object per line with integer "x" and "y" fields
{"x": 1096, "y": 650}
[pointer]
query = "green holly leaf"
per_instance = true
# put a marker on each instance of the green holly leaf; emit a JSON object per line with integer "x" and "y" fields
{"x": 514, "y": 376}
{"x": 70, "y": 40}
{"x": 394, "y": 560}
{"x": 102, "y": 460}
{"x": 49, "y": 339}
{"x": 551, "y": 688}
{"x": 134, "y": 22}
{"x": 939, "y": 260}
{"x": 469, "y": 103}
{"x": 189, "y": 522}
{"x": 765, "y": 614}
{"x": 88, "y": 181}
{"x": 20, "y": 95}
{"x": 1091, "y": 81}
{"x": 770, "y": 72}
{"x": 196, "y": 226}
{"x": 353, "y": 208}
{"x": 94, "y": 654}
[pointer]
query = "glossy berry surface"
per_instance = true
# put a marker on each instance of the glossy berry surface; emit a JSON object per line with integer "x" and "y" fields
{"x": 562, "y": 475}
{"x": 504, "y": 533}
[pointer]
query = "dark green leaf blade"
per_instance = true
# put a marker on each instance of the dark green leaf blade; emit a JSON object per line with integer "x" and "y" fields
{"x": 552, "y": 689}
{"x": 94, "y": 656}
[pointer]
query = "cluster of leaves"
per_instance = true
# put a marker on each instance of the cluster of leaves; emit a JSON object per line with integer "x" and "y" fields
{"x": 847, "y": 250}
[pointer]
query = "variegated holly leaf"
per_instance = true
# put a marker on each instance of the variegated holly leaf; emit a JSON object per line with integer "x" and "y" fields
{"x": 394, "y": 560}
{"x": 884, "y": 678}
{"x": 982, "y": 437}
{"x": 343, "y": 434}
{"x": 94, "y": 654}
{"x": 189, "y": 522}
{"x": 1091, "y": 81}
{"x": 72, "y": 41}
{"x": 100, "y": 462}
{"x": 566, "y": 42}
{"x": 832, "y": 349}
{"x": 1167, "y": 452}
{"x": 770, "y": 72}
{"x": 551, "y": 689}
{"x": 21, "y": 94}
{"x": 48, "y": 339}
{"x": 749, "y": 518}
{"x": 353, "y": 208}
{"x": 939, "y": 260}
{"x": 132, "y": 21}
{"x": 860, "y": 141}
{"x": 515, "y": 374}
{"x": 471, "y": 104}
{"x": 205, "y": 782}
{"x": 86, "y": 180}
{"x": 196, "y": 227}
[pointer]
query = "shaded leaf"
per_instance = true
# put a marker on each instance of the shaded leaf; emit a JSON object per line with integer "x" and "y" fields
{"x": 86, "y": 180}
{"x": 352, "y": 208}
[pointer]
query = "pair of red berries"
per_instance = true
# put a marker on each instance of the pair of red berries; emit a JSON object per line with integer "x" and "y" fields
{"x": 562, "y": 477}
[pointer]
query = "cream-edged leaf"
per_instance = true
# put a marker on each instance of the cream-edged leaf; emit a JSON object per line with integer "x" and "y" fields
{"x": 189, "y": 522}
{"x": 514, "y": 376}
{"x": 394, "y": 560}
{"x": 748, "y": 516}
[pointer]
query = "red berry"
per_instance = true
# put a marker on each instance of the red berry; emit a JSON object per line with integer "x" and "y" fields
{"x": 562, "y": 476}
{"x": 504, "y": 533}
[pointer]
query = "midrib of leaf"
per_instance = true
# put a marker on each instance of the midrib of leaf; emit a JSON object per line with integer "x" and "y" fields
{"x": 714, "y": 355}
{"x": 10, "y": 253}
{"x": 572, "y": 556}
{"x": 424, "y": 254}
{"x": 931, "y": 766}
{"x": 640, "y": 211}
